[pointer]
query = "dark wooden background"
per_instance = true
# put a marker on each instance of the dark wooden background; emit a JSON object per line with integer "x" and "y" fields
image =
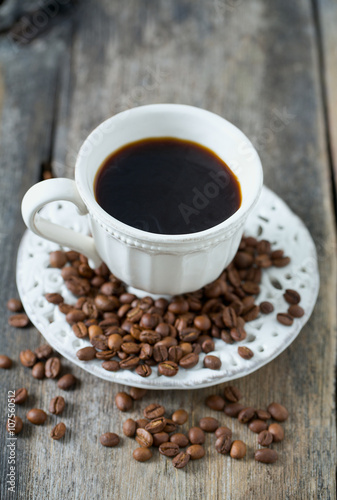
{"x": 61, "y": 75}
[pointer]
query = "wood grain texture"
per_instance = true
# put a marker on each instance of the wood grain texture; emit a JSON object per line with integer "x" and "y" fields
{"x": 257, "y": 65}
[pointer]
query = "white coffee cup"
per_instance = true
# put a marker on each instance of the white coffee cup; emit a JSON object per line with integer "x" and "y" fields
{"x": 156, "y": 263}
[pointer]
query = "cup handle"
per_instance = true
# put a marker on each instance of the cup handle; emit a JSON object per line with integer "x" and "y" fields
{"x": 54, "y": 190}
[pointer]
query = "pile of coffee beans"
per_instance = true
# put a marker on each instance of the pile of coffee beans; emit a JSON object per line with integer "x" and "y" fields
{"x": 127, "y": 332}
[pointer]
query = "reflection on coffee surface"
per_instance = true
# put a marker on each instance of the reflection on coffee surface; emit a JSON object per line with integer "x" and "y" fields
{"x": 167, "y": 186}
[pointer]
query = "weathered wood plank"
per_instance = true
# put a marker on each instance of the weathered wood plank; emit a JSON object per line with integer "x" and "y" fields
{"x": 256, "y": 64}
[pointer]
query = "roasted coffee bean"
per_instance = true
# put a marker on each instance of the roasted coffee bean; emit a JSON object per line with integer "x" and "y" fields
{"x": 202, "y": 322}
{"x": 144, "y": 438}
{"x": 168, "y": 368}
{"x": 243, "y": 260}
{"x": 212, "y": 362}
{"x": 265, "y": 438}
{"x": 189, "y": 361}
{"x": 21, "y": 396}
{"x": 229, "y": 317}
{"x": 111, "y": 366}
{"x": 44, "y": 351}
{"x": 149, "y": 337}
{"x": 58, "y": 431}
{"x": 266, "y": 456}
{"x": 28, "y": 358}
{"x": 170, "y": 426}
{"x": 178, "y": 306}
{"x": 266, "y": 307}
{"x": 251, "y": 314}
{"x": 291, "y": 296}
{"x": 246, "y": 415}
{"x": 160, "y": 438}
{"x": 14, "y": 305}
{"x": 281, "y": 262}
{"x": 100, "y": 343}
{"x": 296, "y": 311}
{"x": 156, "y": 425}
{"x": 208, "y": 424}
{"x": 36, "y": 416}
{"x": 278, "y": 412}
{"x": 109, "y": 439}
{"x": 57, "y": 259}
{"x": 137, "y": 393}
{"x": 123, "y": 401}
{"x": 277, "y": 431}
{"x": 215, "y": 402}
{"x": 52, "y": 367}
{"x": 232, "y": 394}
{"x": 86, "y": 353}
{"x": 54, "y": 298}
{"x": 233, "y": 409}
{"x": 18, "y": 320}
{"x": 78, "y": 286}
{"x": 129, "y": 363}
{"x": 105, "y": 355}
{"x": 65, "y": 308}
{"x": 14, "y": 424}
{"x": 263, "y": 414}
{"x": 160, "y": 353}
{"x": 285, "y": 319}
{"x": 238, "y": 449}
{"x": 223, "y": 430}
{"x": 129, "y": 427}
{"x": 143, "y": 370}
{"x": 257, "y": 426}
{"x": 141, "y": 423}
{"x": 134, "y": 315}
{"x": 189, "y": 334}
{"x": 223, "y": 444}
{"x": 75, "y": 316}
{"x": 181, "y": 460}
{"x": 175, "y": 353}
{"x": 233, "y": 276}
{"x": 245, "y": 352}
{"x": 130, "y": 347}
{"x": 208, "y": 346}
{"x": 226, "y": 337}
{"x": 38, "y": 370}
{"x": 169, "y": 449}
{"x": 180, "y": 439}
{"x": 68, "y": 272}
{"x": 57, "y": 405}
{"x": 196, "y": 451}
{"x": 5, "y": 362}
{"x": 196, "y": 435}
{"x": 66, "y": 382}
{"x": 180, "y": 416}
{"x": 115, "y": 341}
{"x": 142, "y": 454}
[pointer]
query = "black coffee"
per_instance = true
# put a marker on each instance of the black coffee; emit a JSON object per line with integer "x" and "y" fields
{"x": 167, "y": 186}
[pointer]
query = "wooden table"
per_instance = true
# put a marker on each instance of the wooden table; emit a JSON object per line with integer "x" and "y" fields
{"x": 251, "y": 62}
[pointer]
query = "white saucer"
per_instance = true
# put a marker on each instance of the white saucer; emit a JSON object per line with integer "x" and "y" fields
{"x": 271, "y": 219}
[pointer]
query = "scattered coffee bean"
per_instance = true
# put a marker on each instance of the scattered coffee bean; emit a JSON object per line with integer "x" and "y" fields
{"x": 266, "y": 307}
{"x": 233, "y": 409}
{"x": 196, "y": 435}
{"x": 181, "y": 460}
{"x": 263, "y": 414}
{"x": 278, "y": 412}
{"x": 285, "y": 319}
{"x": 291, "y": 296}
{"x": 38, "y": 370}
{"x": 170, "y": 426}
{"x": 232, "y": 394}
{"x": 277, "y": 431}
{"x": 86, "y": 353}
{"x": 238, "y": 449}
{"x": 212, "y": 362}
{"x": 144, "y": 438}
{"x": 189, "y": 361}
{"x": 142, "y": 454}
{"x": 156, "y": 425}
{"x": 257, "y": 425}
{"x": 245, "y": 352}
{"x": 44, "y": 351}
{"x": 123, "y": 401}
{"x": 58, "y": 431}
{"x": 265, "y": 438}
{"x": 36, "y": 416}
{"x": 21, "y": 396}
{"x": 209, "y": 424}
{"x": 154, "y": 411}
{"x": 266, "y": 456}
{"x": 246, "y": 415}
{"x": 52, "y": 367}
{"x": 141, "y": 423}
{"x": 57, "y": 405}
{"x": 215, "y": 402}
{"x": 27, "y": 358}
{"x": 223, "y": 430}
{"x": 179, "y": 417}
{"x": 137, "y": 393}
{"x": 223, "y": 444}
{"x": 180, "y": 439}
{"x": 66, "y": 382}
{"x": 129, "y": 427}
{"x": 5, "y": 362}
{"x": 160, "y": 438}
{"x": 54, "y": 298}
{"x": 14, "y": 424}
{"x": 109, "y": 439}
{"x": 296, "y": 311}
{"x": 169, "y": 449}
{"x": 57, "y": 259}
{"x": 14, "y": 305}
{"x": 196, "y": 451}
